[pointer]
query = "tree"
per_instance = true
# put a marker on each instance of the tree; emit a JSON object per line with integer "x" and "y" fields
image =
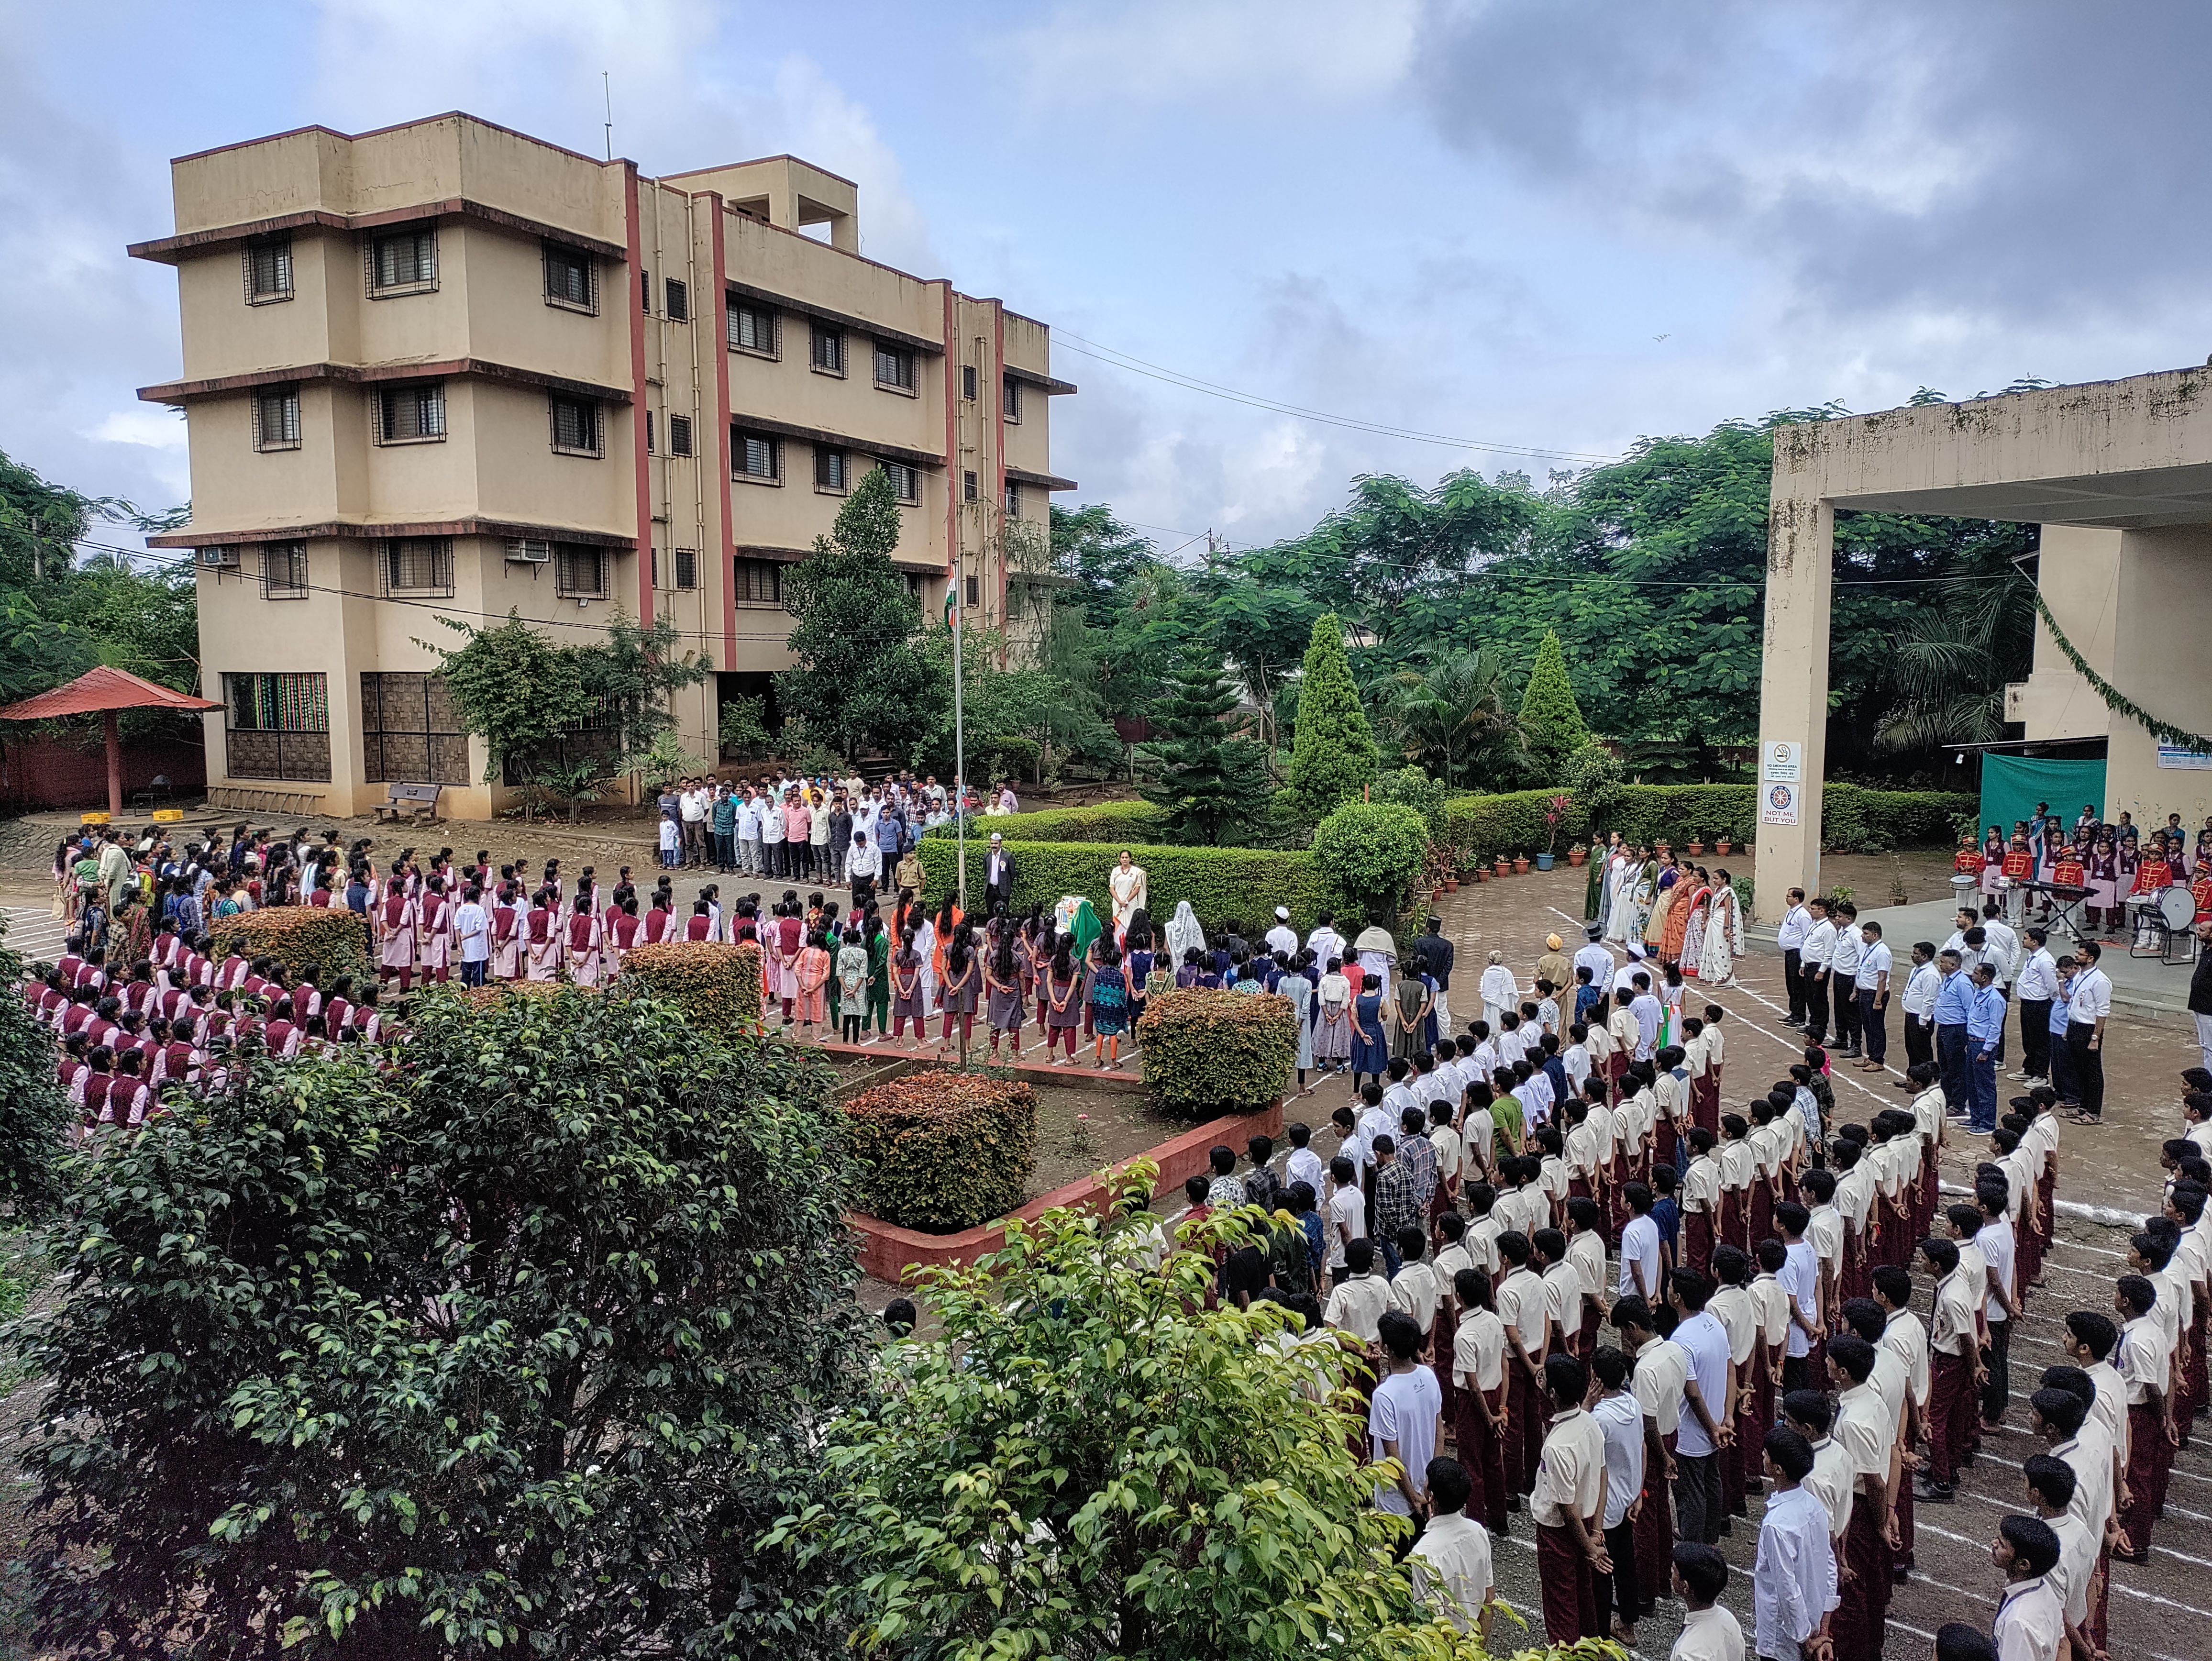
{"x": 1104, "y": 557}
{"x": 1205, "y": 787}
{"x": 858, "y": 680}
{"x": 511, "y": 687}
{"x": 1086, "y": 1461}
{"x": 1954, "y": 658}
{"x": 1333, "y": 756}
{"x": 33, "y": 1112}
{"x": 520, "y": 1342}
{"x": 629, "y": 678}
{"x": 1451, "y": 714}
{"x": 1550, "y": 719}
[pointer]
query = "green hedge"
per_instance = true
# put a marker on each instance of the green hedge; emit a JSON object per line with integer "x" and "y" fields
{"x": 942, "y": 1151}
{"x": 1853, "y": 819}
{"x": 1130, "y": 821}
{"x": 1220, "y": 883}
{"x": 297, "y": 935}
{"x": 717, "y": 985}
{"x": 1208, "y": 1053}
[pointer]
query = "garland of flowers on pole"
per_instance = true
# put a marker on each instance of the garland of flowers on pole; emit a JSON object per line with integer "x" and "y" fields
{"x": 2115, "y": 700}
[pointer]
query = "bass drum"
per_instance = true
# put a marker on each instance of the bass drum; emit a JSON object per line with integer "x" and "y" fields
{"x": 2176, "y": 909}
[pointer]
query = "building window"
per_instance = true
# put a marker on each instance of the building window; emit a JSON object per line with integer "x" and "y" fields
{"x": 686, "y": 568}
{"x": 276, "y": 418}
{"x": 284, "y": 571}
{"x": 277, "y": 726}
{"x": 760, "y": 582}
{"x": 575, "y": 426}
{"x": 268, "y": 269}
{"x": 913, "y": 585}
{"x": 968, "y": 484}
{"x": 410, "y": 733}
{"x": 894, "y": 367}
{"x": 649, "y": 432}
{"x": 571, "y": 279}
{"x": 1014, "y": 500}
{"x": 829, "y": 469}
{"x": 645, "y": 292}
{"x": 679, "y": 435}
{"x": 679, "y": 301}
{"x": 753, "y": 329}
{"x": 580, "y": 572}
{"x": 906, "y": 482}
{"x": 403, "y": 262}
{"x": 417, "y": 565}
{"x": 829, "y": 349}
{"x": 975, "y": 591}
{"x": 756, "y": 456}
{"x": 410, "y": 415}
{"x": 1010, "y": 399}
{"x": 968, "y": 381}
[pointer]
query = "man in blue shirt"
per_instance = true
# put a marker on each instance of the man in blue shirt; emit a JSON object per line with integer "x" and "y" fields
{"x": 1955, "y": 1005}
{"x": 1984, "y": 1028}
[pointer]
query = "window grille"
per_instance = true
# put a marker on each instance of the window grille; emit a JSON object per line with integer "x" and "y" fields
{"x": 277, "y": 726}
{"x": 579, "y": 571}
{"x": 975, "y": 591}
{"x": 276, "y": 418}
{"x": 1010, "y": 399}
{"x": 403, "y": 262}
{"x": 1014, "y": 500}
{"x": 757, "y": 456}
{"x": 575, "y": 426}
{"x": 753, "y": 329}
{"x": 829, "y": 469}
{"x": 894, "y": 367}
{"x": 409, "y": 732}
{"x": 968, "y": 484}
{"x": 760, "y": 582}
{"x": 284, "y": 571}
{"x": 906, "y": 482}
{"x": 418, "y": 565}
{"x": 407, "y": 414}
{"x": 968, "y": 381}
{"x": 829, "y": 351}
{"x": 679, "y": 301}
{"x": 649, "y": 432}
{"x": 571, "y": 278}
{"x": 686, "y": 568}
{"x": 268, "y": 269}
{"x": 679, "y": 435}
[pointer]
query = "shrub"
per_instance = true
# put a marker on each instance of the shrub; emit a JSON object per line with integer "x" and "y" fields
{"x": 1209, "y": 1053}
{"x": 1013, "y": 757}
{"x": 519, "y": 1346}
{"x": 1853, "y": 818}
{"x": 1594, "y": 778}
{"x": 33, "y": 1112}
{"x": 1130, "y": 821}
{"x": 1220, "y": 883}
{"x": 942, "y": 1151}
{"x": 1333, "y": 750}
{"x": 717, "y": 986}
{"x": 297, "y": 935}
{"x": 1549, "y": 715}
{"x": 1368, "y": 854}
{"x": 1412, "y": 788}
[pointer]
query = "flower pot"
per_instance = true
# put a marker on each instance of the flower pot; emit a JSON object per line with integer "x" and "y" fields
{"x": 1696, "y": 848}
{"x": 1521, "y": 865}
{"x": 1723, "y": 846}
{"x": 1543, "y": 862}
{"x": 1574, "y": 856}
{"x": 1451, "y": 885}
{"x": 1503, "y": 867}
{"x": 1482, "y": 874}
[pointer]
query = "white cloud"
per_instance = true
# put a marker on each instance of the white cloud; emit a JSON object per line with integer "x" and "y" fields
{"x": 1253, "y": 51}
{"x": 153, "y": 427}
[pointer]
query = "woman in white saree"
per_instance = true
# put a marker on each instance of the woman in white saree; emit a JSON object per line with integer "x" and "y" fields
{"x": 1723, "y": 941}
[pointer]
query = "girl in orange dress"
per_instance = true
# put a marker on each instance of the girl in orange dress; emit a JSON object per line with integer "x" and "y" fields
{"x": 812, "y": 972}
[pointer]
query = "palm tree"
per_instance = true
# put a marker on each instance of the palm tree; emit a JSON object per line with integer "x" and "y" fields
{"x": 1455, "y": 716}
{"x": 1953, "y": 659}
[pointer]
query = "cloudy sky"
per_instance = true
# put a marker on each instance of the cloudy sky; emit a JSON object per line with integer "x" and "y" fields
{"x": 1529, "y": 230}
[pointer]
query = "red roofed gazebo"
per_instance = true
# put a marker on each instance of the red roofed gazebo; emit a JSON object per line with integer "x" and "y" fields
{"x": 103, "y": 691}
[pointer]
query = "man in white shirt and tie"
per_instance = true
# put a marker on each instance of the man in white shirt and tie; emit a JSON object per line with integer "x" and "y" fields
{"x": 1814, "y": 956}
{"x": 1921, "y": 985}
{"x": 1870, "y": 986}
{"x": 1796, "y": 923}
{"x": 2033, "y": 993}
{"x": 2091, "y": 1007}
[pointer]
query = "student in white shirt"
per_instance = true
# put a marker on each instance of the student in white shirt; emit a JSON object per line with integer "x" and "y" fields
{"x": 1403, "y": 1416}
{"x": 1362, "y": 1297}
{"x": 1710, "y": 1633}
{"x": 1568, "y": 1505}
{"x": 1450, "y": 1563}
{"x": 1622, "y": 1422}
{"x": 1793, "y": 1577}
{"x": 2031, "y": 1621}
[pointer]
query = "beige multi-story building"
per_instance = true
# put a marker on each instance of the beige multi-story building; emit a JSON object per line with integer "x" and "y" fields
{"x": 444, "y": 370}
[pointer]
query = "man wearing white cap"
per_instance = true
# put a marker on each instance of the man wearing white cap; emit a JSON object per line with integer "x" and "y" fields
{"x": 1595, "y": 957}
{"x": 1282, "y": 937}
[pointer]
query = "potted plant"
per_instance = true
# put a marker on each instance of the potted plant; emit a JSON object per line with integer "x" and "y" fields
{"x": 1723, "y": 846}
{"x": 1503, "y": 866}
{"x": 1555, "y": 820}
{"x": 1481, "y": 872}
{"x": 1578, "y": 853}
{"x": 1697, "y": 847}
{"x": 1520, "y": 865}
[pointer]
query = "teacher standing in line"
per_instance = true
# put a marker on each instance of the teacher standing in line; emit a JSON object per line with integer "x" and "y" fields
{"x": 1128, "y": 885}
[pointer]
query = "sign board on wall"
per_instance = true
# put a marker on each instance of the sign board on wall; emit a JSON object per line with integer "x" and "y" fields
{"x": 1780, "y": 776}
{"x": 2174, "y": 755}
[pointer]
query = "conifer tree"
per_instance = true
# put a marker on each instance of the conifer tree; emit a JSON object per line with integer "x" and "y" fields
{"x": 1550, "y": 719}
{"x": 1194, "y": 785}
{"x": 1333, "y": 756}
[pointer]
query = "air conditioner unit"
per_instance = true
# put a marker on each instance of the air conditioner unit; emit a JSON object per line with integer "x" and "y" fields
{"x": 529, "y": 551}
{"x": 219, "y": 559}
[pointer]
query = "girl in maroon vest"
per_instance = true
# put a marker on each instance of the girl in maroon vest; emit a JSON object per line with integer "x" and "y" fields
{"x": 395, "y": 924}
{"x": 542, "y": 942}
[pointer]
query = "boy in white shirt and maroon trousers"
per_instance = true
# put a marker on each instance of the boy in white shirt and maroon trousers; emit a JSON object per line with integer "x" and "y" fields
{"x": 1568, "y": 1507}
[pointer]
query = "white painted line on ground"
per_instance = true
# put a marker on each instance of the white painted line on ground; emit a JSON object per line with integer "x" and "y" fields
{"x": 2014, "y": 1506}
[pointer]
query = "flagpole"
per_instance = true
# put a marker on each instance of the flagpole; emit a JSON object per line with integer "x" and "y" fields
{"x": 959, "y": 746}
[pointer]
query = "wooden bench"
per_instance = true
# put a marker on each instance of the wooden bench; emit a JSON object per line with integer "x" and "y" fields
{"x": 406, "y": 801}
{"x": 245, "y": 799}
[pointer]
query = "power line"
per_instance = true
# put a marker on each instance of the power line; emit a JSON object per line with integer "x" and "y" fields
{"x": 1135, "y": 365}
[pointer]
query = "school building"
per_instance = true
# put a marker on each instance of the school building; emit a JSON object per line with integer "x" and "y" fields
{"x": 2119, "y": 475}
{"x": 447, "y": 370}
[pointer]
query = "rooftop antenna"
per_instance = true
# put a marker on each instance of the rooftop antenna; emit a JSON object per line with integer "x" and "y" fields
{"x": 607, "y": 89}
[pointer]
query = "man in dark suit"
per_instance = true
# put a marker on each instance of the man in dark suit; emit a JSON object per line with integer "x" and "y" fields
{"x": 998, "y": 877}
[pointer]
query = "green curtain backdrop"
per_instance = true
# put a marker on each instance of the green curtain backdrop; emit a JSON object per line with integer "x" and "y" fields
{"x": 2012, "y": 785}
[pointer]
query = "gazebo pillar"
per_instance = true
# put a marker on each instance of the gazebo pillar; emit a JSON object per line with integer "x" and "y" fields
{"x": 115, "y": 767}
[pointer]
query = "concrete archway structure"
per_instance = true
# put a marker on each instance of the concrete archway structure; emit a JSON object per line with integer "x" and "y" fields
{"x": 2119, "y": 475}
